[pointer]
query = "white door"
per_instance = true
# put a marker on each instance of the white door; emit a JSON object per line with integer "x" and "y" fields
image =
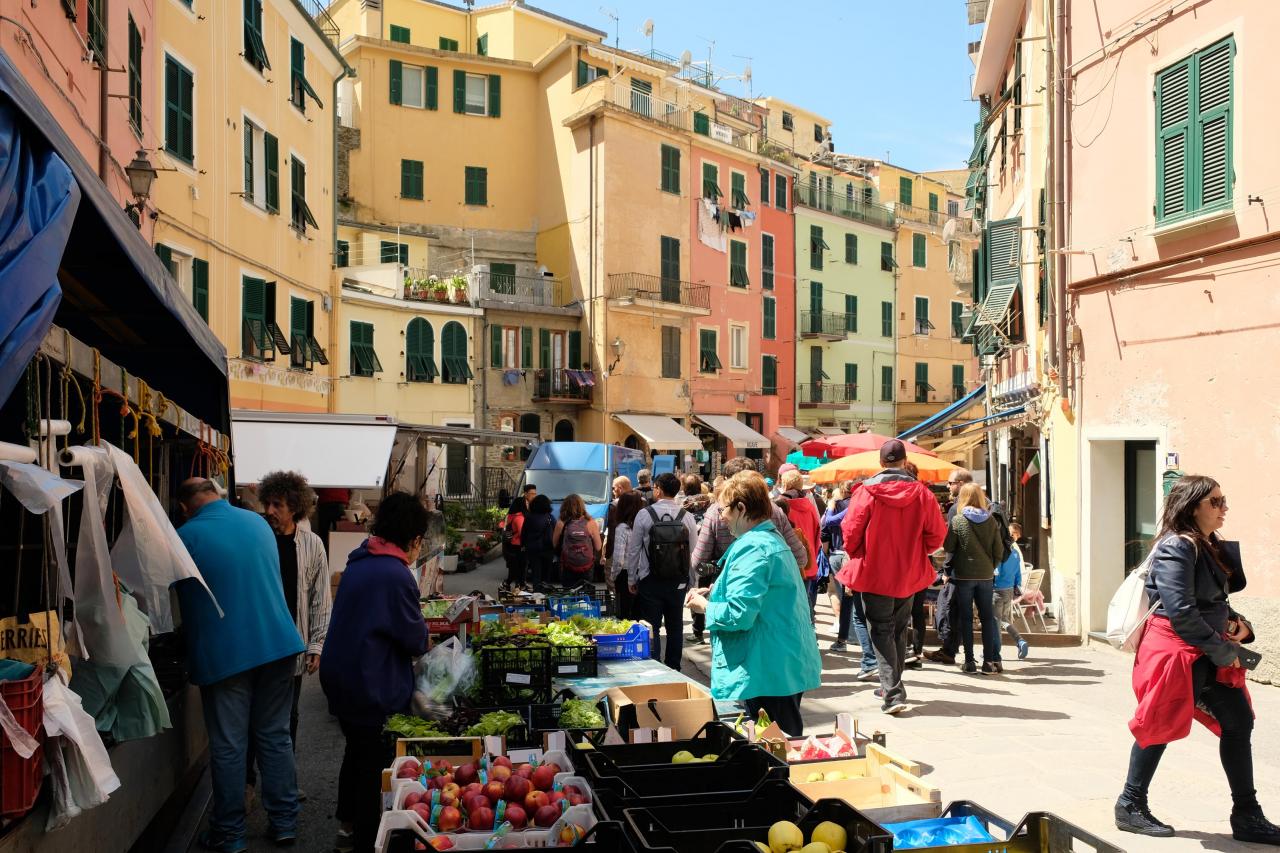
{"x": 558, "y": 381}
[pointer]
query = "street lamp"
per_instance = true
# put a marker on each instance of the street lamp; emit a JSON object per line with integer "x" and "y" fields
{"x": 619, "y": 347}
{"x": 141, "y": 175}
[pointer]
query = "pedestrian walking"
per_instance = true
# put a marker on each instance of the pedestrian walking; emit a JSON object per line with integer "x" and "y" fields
{"x": 576, "y": 539}
{"x": 366, "y": 669}
{"x": 536, "y": 541}
{"x": 1008, "y": 586}
{"x": 714, "y": 537}
{"x": 802, "y": 512}
{"x": 621, "y": 485}
{"x": 945, "y": 612}
{"x": 757, "y": 611}
{"x": 851, "y": 614}
{"x": 974, "y": 541}
{"x": 513, "y": 540}
{"x": 659, "y": 572}
{"x": 694, "y": 497}
{"x": 628, "y": 505}
{"x": 242, "y": 654}
{"x": 891, "y": 527}
{"x": 644, "y": 484}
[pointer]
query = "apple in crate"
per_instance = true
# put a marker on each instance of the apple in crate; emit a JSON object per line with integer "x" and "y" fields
{"x": 544, "y": 777}
{"x": 412, "y": 799}
{"x": 481, "y": 818}
{"x": 501, "y": 773}
{"x": 409, "y": 770}
{"x": 546, "y": 816}
{"x": 525, "y": 770}
{"x": 473, "y": 802}
{"x": 450, "y": 819}
{"x": 535, "y": 800}
{"x": 423, "y": 811}
{"x": 466, "y": 774}
{"x": 518, "y": 788}
{"x": 473, "y": 788}
{"x": 516, "y": 816}
{"x": 502, "y": 761}
{"x": 494, "y": 791}
{"x": 556, "y": 796}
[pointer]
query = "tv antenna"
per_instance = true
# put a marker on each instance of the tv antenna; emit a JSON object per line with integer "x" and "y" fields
{"x": 612, "y": 13}
{"x": 647, "y": 30}
{"x": 745, "y": 76}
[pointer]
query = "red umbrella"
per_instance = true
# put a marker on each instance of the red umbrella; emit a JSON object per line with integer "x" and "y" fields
{"x": 836, "y": 446}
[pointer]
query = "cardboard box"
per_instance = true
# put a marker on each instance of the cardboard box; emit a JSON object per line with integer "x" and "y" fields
{"x": 883, "y": 786}
{"x": 680, "y": 706}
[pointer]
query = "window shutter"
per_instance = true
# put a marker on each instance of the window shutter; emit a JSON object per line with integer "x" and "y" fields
{"x": 766, "y": 261}
{"x": 165, "y": 254}
{"x": 253, "y": 300}
{"x": 482, "y": 45}
{"x": 768, "y": 375}
{"x": 433, "y": 87}
{"x": 670, "y": 259}
{"x": 886, "y": 384}
{"x": 851, "y": 248}
{"x": 1173, "y": 148}
{"x": 780, "y": 196}
{"x": 770, "y": 318}
{"x": 403, "y": 250}
{"x": 200, "y": 287}
{"x": 575, "y": 350}
{"x": 850, "y": 313}
{"x": 1213, "y": 124}
{"x": 271, "y": 154}
{"x": 851, "y": 380}
{"x": 815, "y": 247}
{"x": 248, "y": 162}
{"x": 495, "y": 346}
{"x": 702, "y": 124}
{"x": 815, "y": 303}
{"x": 495, "y": 96}
{"x": 297, "y": 317}
{"x": 544, "y": 348}
{"x": 526, "y": 347}
{"x": 886, "y": 319}
{"x": 459, "y": 91}
{"x": 765, "y": 180}
{"x": 582, "y": 72}
{"x": 904, "y": 191}
{"x": 397, "y": 81}
{"x": 917, "y": 250}
{"x": 412, "y": 347}
{"x": 933, "y": 202}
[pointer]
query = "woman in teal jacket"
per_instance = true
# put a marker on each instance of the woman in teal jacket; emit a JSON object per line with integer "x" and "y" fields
{"x": 763, "y": 650}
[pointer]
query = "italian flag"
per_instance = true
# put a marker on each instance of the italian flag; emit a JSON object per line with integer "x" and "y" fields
{"x": 1032, "y": 469}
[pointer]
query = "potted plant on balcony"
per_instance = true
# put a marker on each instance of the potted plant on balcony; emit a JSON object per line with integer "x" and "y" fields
{"x": 440, "y": 290}
{"x": 458, "y": 284}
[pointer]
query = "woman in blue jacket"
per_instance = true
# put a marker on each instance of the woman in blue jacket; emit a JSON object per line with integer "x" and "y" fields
{"x": 762, "y": 648}
{"x": 376, "y": 630}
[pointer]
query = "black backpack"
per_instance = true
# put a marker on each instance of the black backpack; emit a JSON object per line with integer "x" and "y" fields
{"x": 668, "y": 547}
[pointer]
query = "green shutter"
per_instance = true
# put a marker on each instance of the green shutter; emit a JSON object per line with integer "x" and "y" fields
{"x": 887, "y": 263}
{"x": 711, "y": 181}
{"x": 766, "y": 261}
{"x": 411, "y": 179}
{"x": 738, "y": 264}
{"x": 477, "y": 185}
{"x": 433, "y": 87}
{"x": 582, "y": 72}
{"x": 459, "y": 91}
{"x": 886, "y": 319}
{"x": 179, "y": 116}
{"x": 271, "y": 154}
{"x": 815, "y": 247}
{"x": 482, "y": 45}
{"x": 851, "y": 381}
{"x": 670, "y": 260}
{"x": 526, "y": 347}
{"x": 850, "y": 313}
{"x": 702, "y": 123}
{"x": 768, "y": 375}
{"x": 670, "y": 169}
{"x": 738, "y": 190}
{"x": 886, "y": 384}
{"x": 851, "y": 248}
{"x": 495, "y": 96}
{"x": 1213, "y": 134}
{"x": 708, "y": 357}
{"x": 399, "y": 34}
{"x": 766, "y": 180}
{"x": 248, "y": 162}
{"x": 957, "y": 325}
{"x": 917, "y": 250}
{"x": 495, "y": 346}
{"x": 770, "y": 318}
{"x": 544, "y": 348}
{"x": 575, "y": 350}
{"x": 403, "y": 250}
{"x": 815, "y": 304}
{"x": 922, "y": 382}
{"x": 448, "y": 44}
{"x": 200, "y": 287}
{"x": 957, "y": 381}
{"x": 933, "y": 202}
{"x": 135, "y": 77}
{"x": 1173, "y": 140}
{"x": 780, "y": 192}
{"x": 165, "y": 254}
{"x": 397, "y": 81}
{"x": 905, "y": 187}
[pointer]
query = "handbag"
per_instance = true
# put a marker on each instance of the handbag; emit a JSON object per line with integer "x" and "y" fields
{"x": 1131, "y": 607}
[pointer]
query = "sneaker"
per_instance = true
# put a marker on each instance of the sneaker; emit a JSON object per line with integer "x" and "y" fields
{"x": 990, "y": 667}
{"x": 1137, "y": 818}
{"x": 939, "y": 656}
{"x": 911, "y": 657}
{"x": 343, "y": 842}
{"x": 914, "y": 664}
{"x": 970, "y": 666}
{"x": 1024, "y": 649}
{"x": 838, "y": 647}
{"x": 894, "y": 707}
{"x": 284, "y": 837}
{"x": 871, "y": 674}
{"x": 1251, "y": 826}
{"x": 302, "y": 795}
{"x": 221, "y": 844}
{"x": 697, "y": 639}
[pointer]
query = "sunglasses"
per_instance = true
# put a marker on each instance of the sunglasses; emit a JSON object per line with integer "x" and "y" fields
{"x": 1218, "y": 503}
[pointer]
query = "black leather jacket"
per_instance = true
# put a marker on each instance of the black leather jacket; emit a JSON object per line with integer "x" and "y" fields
{"x": 1191, "y": 591}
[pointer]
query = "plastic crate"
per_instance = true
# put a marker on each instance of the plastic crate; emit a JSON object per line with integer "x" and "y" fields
{"x": 575, "y": 661}
{"x": 20, "y": 777}
{"x": 633, "y": 645}
{"x": 725, "y": 781}
{"x": 566, "y": 606}
{"x": 1037, "y": 832}
{"x": 515, "y": 674}
{"x": 518, "y": 737}
{"x": 713, "y": 738}
{"x": 545, "y": 717}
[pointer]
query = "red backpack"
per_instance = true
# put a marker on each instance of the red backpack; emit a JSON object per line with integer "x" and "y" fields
{"x": 577, "y": 552}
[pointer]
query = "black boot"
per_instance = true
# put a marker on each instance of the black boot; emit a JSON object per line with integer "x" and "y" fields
{"x": 1254, "y": 826}
{"x": 1136, "y": 817}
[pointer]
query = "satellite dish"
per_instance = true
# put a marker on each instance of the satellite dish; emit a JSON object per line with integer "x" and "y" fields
{"x": 686, "y": 59}
{"x": 647, "y": 29}
{"x": 949, "y": 231}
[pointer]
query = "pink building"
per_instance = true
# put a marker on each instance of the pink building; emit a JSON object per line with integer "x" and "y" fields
{"x": 1172, "y": 181}
{"x": 60, "y": 48}
{"x": 776, "y": 208}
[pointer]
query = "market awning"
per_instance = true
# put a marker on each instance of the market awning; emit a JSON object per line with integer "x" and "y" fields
{"x": 331, "y": 451}
{"x": 792, "y": 434}
{"x": 742, "y": 436}
{"x": 468, "y": 435}
{"x": 830, "y": 431}
{"x": 117, "y": 296}
{"x": 660, "y": 432}
{"x": 961, "y": 444}
{"x": 986, "y": 421}
{"x": 945, "y": 416}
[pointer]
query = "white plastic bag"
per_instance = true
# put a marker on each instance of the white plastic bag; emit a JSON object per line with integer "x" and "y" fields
{"x": 446, "y": 671}
{"x": 1130, "y": 608}
{"x": 79, "y": 766}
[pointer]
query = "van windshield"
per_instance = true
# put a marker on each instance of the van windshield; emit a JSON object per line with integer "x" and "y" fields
{"x": 592, "y": 486}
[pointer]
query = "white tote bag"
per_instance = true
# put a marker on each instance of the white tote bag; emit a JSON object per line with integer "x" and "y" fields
{"x": 1130, "y": 608}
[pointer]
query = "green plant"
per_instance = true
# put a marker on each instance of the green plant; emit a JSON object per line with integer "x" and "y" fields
{"x": 452, "y": 539}
{"x": 458, "y": 282}
{"x": 455, "y": 515}
{"x": 486, "y": 517}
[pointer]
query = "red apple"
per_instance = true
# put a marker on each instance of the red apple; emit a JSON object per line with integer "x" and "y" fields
{"x": 525, "y": 770}
{"x": 555, "y": 768}
{"x": 471, "y": 802}
{"x": 516, "y": 815}
{"x": 518, "y": 788}
{"x": 473, "y": 788}
{"x": 446, "y": 779}
{"x": 442, "y": 842}
{"x": 443, "y": 766}
{"x": 466, "y": 774}
{"x": 451, "y": 790}
{"x": 546, "y": 816}
{"x": 502, "y": 761}
{"x": 535, "y": 800}
{"x": 576, "y": 799}
{"x": 556, "y": 796}
{"x": 500, "y": 773}
{"x": 450, "y": 819}
{"x": 413, "y": 798}
{"x": 494, "y": 791}
{"x": 481, "y": 818}
{"x": 572, "y": 789}
{"x": 424, "y": 811}
{"x": 409, "y": 770}
{"x": 544, "y": 777}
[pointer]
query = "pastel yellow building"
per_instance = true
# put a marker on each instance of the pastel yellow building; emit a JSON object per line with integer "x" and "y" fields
{"x": 244, "y": 127}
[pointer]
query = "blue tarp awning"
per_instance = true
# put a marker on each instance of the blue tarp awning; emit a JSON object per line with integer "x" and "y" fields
{"x": 1007, "y": 413}
{"x": 116, "y": 294}
{"x": 946, "y": 415}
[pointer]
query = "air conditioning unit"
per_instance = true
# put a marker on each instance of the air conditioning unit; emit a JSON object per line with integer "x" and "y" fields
{"x": 740, "y": 397}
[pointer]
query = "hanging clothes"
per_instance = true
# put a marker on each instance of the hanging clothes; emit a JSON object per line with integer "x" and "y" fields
{"x": 735, "y": 221}
{"x": 709, "y": 232}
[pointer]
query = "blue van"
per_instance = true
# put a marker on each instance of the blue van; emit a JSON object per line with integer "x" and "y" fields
{"x": 585, "y": 468}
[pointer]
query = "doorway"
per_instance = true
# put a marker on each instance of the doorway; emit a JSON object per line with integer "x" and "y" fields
{"x": 564, "y": 430}
{"x": 457, "y": 480}
{"x": 1140, "y": 502}
{"x": 1122, "y": 504}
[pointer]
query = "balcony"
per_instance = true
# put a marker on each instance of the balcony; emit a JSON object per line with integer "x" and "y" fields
{"x": 829, "y": 395}
{"x": 648, "y": 105}
{"x": 520, "y": 293}
{"x": 561, "y": 385}
{"x": 656, "y": 293}
{"x": 825, "y": 325}
{"x": 808, "y": 195}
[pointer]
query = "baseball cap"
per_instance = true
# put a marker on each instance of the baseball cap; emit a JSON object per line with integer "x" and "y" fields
{"x": 892, "y": 451}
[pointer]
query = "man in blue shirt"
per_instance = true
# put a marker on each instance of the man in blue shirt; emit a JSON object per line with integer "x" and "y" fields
{"x": 243, "y": 661}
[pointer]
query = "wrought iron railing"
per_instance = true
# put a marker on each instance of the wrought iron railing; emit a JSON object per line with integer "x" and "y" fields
{"x": 650, "y": 106}
{"x": 637, "y": 286}
{"x": 824, "y": 323}
{"x": 825, "y": 393}
{"x": 808, "y": 195}
{"x": 561, "y": 384}
{"x": 536, "y": 291}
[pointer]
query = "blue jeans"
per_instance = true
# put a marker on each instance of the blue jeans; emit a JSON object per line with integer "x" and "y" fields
{"x": 252, "y": 704}
{"x": 967, "y": 594}
{"x": 852, "y": 614}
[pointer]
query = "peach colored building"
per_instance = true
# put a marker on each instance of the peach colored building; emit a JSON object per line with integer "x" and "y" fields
{"x": 1172, "y": 180}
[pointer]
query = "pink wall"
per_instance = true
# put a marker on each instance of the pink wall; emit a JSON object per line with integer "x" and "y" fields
{"x": 781, "y": 224}
{"x": 49, "y": 50}
{"x": 1185, "y": 347}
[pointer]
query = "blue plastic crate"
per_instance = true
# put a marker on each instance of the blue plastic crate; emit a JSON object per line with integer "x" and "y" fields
{"x": 633, "y": 645}
{"x": 566, "y": 606}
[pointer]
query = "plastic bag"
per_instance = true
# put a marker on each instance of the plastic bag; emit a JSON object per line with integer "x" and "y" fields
{"x": 79, "y": 766}
{"x": 938, "y": 832}
{"x": 446, "y": 671}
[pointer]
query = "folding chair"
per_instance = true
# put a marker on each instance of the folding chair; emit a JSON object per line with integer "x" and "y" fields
{"x": 1034, "y": 577}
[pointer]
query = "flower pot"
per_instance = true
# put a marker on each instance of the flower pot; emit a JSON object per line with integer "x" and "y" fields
{"x": 459, "y": 295}
{"x": 448, "y": 563}
{"x": 441, "y": 296}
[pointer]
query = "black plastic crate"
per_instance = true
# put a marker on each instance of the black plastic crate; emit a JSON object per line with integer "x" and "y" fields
{"x": 574, "y": 661}
{"x": 705, "y": 827}
{"x": 729, "y": 781}
{"x": 545, "y": 717}
{"x": 518, "y": 737}
{"x": 1037, "y": 832}
{"x": 714, "y": 738}
{"x": 515, "y": 674}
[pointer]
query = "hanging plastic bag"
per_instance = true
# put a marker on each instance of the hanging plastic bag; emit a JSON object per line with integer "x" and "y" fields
{"x": 446, "y": 671}
{"x": 79, "y": 766}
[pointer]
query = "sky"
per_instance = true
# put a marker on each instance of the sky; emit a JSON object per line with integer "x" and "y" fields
{"x": 893, "y": 77}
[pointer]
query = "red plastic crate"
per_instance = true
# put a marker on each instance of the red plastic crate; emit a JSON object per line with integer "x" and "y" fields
{"x": 20, "y": 777}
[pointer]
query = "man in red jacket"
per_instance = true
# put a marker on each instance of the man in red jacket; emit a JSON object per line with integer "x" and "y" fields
{"x": 892, "y": 526}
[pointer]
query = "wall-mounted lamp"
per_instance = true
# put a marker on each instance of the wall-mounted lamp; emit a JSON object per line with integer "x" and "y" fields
{"x": 141, "y": 175}
{"x": 619, "y": 347}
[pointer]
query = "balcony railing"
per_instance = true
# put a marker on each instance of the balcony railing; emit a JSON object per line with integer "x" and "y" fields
{"x": 936, "y": 218}
{"x": 562, "y": 384}
{"x": 808, "y": 195}
{"x": 646, "y": 104}
{"x": 656, "y": 289}
{"x": 319, "y": 10}
{"x": 834, "y": 394}
{"x": 530, "y": 291}
{"x": 824, "y": 324}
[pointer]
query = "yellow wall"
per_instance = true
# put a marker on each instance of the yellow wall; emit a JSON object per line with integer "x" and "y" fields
{"x": 800, "y": 138}
{"x": 203, "y": 213}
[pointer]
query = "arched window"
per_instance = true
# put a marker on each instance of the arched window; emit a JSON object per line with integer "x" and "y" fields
{"x": 420, "y": 351}
{"x": 564, "y": 431}
{"x": 632, "y": 442}
{"x": 532, "y": 424}
{"x": 453, "y": 352}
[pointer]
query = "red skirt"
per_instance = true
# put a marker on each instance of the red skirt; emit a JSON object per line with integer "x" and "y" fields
{"x": 1163, "y": 683}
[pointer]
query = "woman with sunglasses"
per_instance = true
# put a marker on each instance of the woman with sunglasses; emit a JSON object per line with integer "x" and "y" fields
{"x": 1188, "y": 664}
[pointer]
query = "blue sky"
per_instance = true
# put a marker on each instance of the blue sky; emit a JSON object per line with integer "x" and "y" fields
{"x": 892, "y": 76}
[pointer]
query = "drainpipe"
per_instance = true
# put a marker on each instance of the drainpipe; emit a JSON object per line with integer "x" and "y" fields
{"x": 591, "y": 269}
{"x": 1060, "y": 214}
{"x": 335, "y": 289}
{"x": 104, "y": 72}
